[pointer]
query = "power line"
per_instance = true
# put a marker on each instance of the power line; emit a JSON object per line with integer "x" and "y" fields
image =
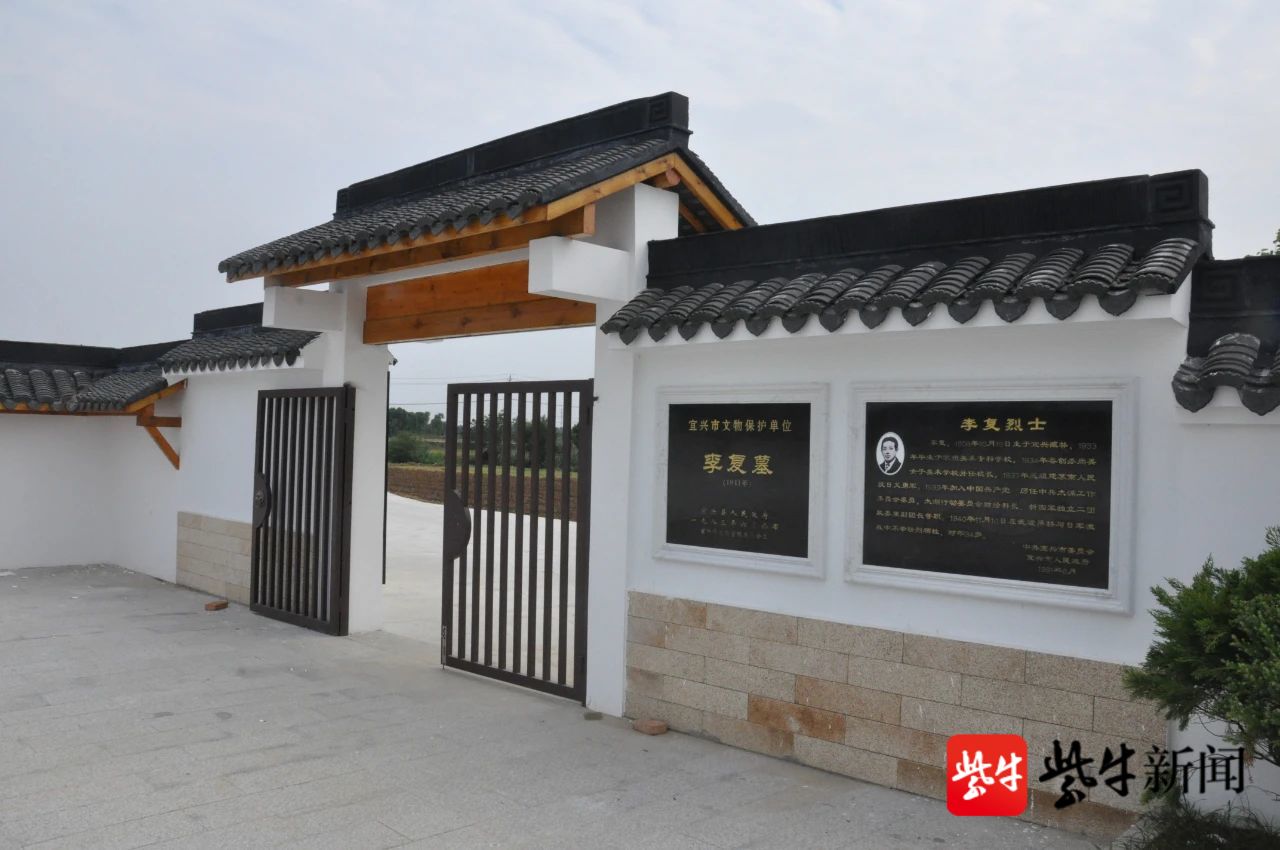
{"x": 503, "y": 376}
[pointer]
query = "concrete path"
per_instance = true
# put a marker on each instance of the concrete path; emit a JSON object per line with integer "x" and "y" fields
{"x": 412, "y": 592}
{"x": 413, "y": 589}
{"x": 130, "y": 717}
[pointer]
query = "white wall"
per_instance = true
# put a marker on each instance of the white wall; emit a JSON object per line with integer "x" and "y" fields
{"x": 58, "y": 471}
{"x": 219, "y": 431}
{"x": 96, "y": 489}
{"x": 139, "y": 496}
{"x": 1203, "y": 483}
{"x": 1227, "y": 486}
{"x": 1192, "y": 496}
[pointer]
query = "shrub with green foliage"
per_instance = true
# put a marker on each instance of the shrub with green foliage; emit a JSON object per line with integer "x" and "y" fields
{"x": 403, "y": 448}
{"x": 411, "y": 448}
{"x": 1177, "y": 825}
{"x": 1216, "y": 656}
{"x": 1217, "y": 652}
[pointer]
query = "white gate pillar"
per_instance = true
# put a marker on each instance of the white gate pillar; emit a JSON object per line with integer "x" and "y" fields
{"x": 626, "y": 221}
{"x": 339, "y": 313}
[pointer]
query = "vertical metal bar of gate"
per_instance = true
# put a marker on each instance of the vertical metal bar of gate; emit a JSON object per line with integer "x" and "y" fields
{"x": 450, "y": 486}
{"x": 514, "y": 601}
{"x": 300, "y": 557}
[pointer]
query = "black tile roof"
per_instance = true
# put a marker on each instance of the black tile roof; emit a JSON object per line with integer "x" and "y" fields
{"x": 503, "y": 177}
{"x": 1114, "y": 240}
{"x": 237, "y": 348}
{"x": 233, "y": 337}
{"x": 79, "y": 379}
{"x": 1234, "y": 335}
{"x": 75, "y": 379}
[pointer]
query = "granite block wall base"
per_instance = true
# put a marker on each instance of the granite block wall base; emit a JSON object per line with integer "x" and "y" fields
{"x": 879, "y": 705}
{"x": 213, "y": 556}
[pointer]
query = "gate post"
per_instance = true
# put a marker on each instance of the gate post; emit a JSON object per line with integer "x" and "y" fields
{"x": 349, "y": 361}
{"x": 628, "y": 221}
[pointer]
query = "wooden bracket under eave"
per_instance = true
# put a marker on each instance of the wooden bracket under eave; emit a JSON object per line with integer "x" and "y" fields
{"x": 147, "y": 419}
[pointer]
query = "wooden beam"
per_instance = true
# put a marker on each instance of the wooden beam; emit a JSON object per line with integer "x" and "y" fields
{"x": 668, "y": 179}
{"x": 693, "y": 220}
{"x": 704, "y": 194}
{"x": 44, "y": 410}
{"x": 150, "y": 400}
{"x": 655, "y": 170}
{"x": 573, "y": 215}
{"x": 614, "y": 184}
{"x": 140, "y": 404}
{"x": 498, "y": 224}
{"x": 163, "y": 444}
{"x": 147, "y": 416}
{"x": 581, "y": 222}
{"x": 499, "y": 284}
{"x": 538, "y": 313}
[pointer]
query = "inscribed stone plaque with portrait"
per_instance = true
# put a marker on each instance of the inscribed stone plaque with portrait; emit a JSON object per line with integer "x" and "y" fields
{"x": 738, "y": 477}
{"x": 1001, "y": 489}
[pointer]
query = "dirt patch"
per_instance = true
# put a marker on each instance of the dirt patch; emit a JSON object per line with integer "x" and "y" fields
{"x": 426, "y": 484}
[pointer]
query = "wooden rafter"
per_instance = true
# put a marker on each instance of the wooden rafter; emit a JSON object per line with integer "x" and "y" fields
{"x": 655, "y": 171}
{"x": 581, "y": 222}
{"x": 150, "y": 400}
{"x": 500, "y": 223}
{"x": 571, "y": 216}
{"x": 668, "y": 179}
{"x": 147, "y": 401}
{"x": 692, "y": 220}
{"x": 146, "y": 418}
{"x": 709, "y": 199}
{"x": 169, "y": 451}
{"x": 611, "y": 186}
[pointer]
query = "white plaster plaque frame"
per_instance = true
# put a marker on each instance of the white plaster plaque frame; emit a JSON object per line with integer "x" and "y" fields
{"x": 816, "y": 395}
{"x": 1117, "y": 597}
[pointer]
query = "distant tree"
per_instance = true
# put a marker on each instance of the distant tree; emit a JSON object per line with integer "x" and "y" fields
{"x": 403, "y": 448}
{"x": 1273, "y": 251}
{"x": 420, "y": 422}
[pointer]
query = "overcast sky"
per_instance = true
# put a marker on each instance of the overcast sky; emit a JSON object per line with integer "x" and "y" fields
{"x": 141, "y": 143}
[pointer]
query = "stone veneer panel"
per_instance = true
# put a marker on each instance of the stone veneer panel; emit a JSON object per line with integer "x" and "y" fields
{"x": 878, "y": 705}
{"x": 213, "y": 556}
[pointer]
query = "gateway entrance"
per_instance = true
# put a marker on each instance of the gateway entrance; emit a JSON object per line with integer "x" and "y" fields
{"x": 301, "y": 557}
{"x": 516, "y": 532}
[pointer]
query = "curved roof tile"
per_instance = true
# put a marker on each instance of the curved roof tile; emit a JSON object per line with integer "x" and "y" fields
{"x": 1115, "y": 273}
{"x": 241, "y": 348}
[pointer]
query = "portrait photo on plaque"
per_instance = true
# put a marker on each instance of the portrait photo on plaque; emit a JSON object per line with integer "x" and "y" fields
{"x": 738, "y": 477}
{"x": 997, "y": 489}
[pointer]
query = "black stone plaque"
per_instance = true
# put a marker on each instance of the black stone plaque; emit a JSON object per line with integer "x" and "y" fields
{"x": 1002, "y": 489}
{"x": 738, "y": 477}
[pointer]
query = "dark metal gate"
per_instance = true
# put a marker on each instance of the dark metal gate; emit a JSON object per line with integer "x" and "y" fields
{"x": 302, "y": 507}
{"x": 517, "y": 526}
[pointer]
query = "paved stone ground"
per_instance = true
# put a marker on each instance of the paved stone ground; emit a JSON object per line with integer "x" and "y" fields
{"x": 130, "y": 717}
{"x": 412, "y": 592}
{"x": 413, "y": 589}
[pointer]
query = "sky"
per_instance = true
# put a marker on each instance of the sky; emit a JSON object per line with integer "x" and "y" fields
{"x": 142, "y": 142}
